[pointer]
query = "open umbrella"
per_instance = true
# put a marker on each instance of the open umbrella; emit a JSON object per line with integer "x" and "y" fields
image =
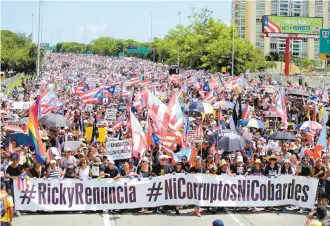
{"x": 254, "y": 123}
{"x": 282, "y": 135}
{"x": 13, "y": 128}
{"x": 201, "y": 107}
{"x": 309, "y": 124}
{"x": 231, "y": 143}
{"x": 54, "y": 120}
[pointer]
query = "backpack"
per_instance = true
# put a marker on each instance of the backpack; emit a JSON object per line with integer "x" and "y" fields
{"x": 3, "y": 205}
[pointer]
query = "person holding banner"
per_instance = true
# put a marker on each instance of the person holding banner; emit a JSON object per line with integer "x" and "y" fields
{"x": 193, "y": 170}
{"x": 111, "y": 171}
{"x": 83, "y": 170}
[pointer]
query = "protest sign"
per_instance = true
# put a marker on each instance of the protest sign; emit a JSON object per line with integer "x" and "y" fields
{"x": 89, "y": 107}
{"x": 102, "y": 134}
{"x": 178, "y": 189}
{"x": 73, "y": 145}
{"x": 110, "y": 114}
{"x": 20, "y": 105}
{"x": 118, "y": 149}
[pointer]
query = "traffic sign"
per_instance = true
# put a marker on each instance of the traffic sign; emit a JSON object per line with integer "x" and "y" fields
{"x": 44, "y": 45}
{"x": 325, "y": 44}
{"x": 89, "y": 52}
{"x": 132, "y": 49}
{"x": 144, "y": 50}
{"x": 223, "y": 69}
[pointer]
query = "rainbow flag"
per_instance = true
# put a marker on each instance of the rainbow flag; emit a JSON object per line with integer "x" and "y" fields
{"x": 35, "y": 139}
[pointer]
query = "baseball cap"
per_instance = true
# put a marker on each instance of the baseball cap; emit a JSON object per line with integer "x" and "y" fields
{"x": 53, "y": 161}
{"x": 217, "y": 223}
{"x": 57, "y": 157}
{"x": 239, "y": 159}
{"x": 163, "y": 157}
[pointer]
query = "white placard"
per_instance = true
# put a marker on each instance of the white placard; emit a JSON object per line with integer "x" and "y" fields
{"x": 118, "y": 149}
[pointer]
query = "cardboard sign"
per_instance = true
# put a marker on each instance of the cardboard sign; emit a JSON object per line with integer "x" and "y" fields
{"x": 118, "y": 149}
{"x": 110, "y": 115}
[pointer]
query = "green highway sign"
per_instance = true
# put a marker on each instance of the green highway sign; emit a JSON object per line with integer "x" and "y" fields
{"x": 44, "y": 45}
{"x": 132, "y": 49}
{"x": 89, "y": 52}
{"x": 325, "y": 44}
{"x": 144, "y": 50}
{"x": 49, "y": 48}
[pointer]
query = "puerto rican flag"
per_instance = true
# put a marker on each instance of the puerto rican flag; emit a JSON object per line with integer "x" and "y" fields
{"x": 135, "y": 80}
{"x": 112, "y": 90}
{"x": 81, "y": 89}
{"x": 139, "y": 141}
{"x": 270, "y": 26}
{"x": 119, "y": 122}
{"x": 175, "y": 112}
{"x": 280, "y": 107}
{"x": 92, "y": 98}
{"x": 211, "y": 97}
{"x": 22, "y": 182}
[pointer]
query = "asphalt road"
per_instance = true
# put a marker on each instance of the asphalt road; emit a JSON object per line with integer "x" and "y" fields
{"x": 187, "y": 218}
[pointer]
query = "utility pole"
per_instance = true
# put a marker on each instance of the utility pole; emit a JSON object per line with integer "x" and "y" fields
{"x": 38, "y": 53}
{"x": 41, "y": 15}
{"x": 32, "y": 29}
{"x": 85, "y": 40}
{"x": 232, "y": 53}
{"x": 151, "y": 27}
{"x": 179, "y": 41}
{"x": 154, "y": 55}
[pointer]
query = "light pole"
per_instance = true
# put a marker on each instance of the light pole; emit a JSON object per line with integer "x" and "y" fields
{"x": 232, "y": 53}
{"x": 179, "y": 41}
{"x": 151, "y": 26}
{"x": 32, "y": 29}
{"x": 85, "y": 40}
{"x": 38, "y": 53}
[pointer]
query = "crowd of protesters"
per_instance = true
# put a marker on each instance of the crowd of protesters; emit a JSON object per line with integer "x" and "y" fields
{"x": 260, "y": 156}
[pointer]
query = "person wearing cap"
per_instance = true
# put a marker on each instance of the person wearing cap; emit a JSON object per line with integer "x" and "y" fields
{"x": 38, "y": 171}
{"x": 125, "y": 172}
{"x": 53, "y": 171}
{"x": 162, "y": 167}
{"x": 144, "y": 169}
{"x": 272, "y": 168}
{"x": 239, "y": 168}
{"x": 111, "y": 171}
{"x": 70, "y": 171}
{"x": 12, "y": 172}
{"x": 8, "y": 202}
{"x": 132, "y": 168}
{"x": 68, "y": 159}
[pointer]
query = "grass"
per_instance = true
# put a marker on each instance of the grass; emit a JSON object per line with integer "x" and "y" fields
{"x": 16, "y": 82}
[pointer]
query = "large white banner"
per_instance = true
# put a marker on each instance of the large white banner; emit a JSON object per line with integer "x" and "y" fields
{"x": 118, "y": 149}
{"x": 178, "y": 189}
{"x": 20, "y": 105}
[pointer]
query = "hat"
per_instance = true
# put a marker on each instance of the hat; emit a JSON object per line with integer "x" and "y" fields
{"x": 217, "y": 223}
{"x": 316, "y": 223}
{"x": 222, "y": 162}
{"x": 287, "y": 161}
{"x": 44, "y": 136}
{"x": 14, "y": 155}
{"x": 239, "y": 158}
{"x": 71, "y": 166}
{"x": 97, "y": 161}
{"x": 163, "y": 157}
{"x": 67, "y": 149}
{"x": 145, "y": 159}
{"x": 57, "y": 157}
{"x": 111, "y": 161}
{"x": 272, "y": 157}
{"x": 257, "y": 161}
{"x": 53, "y": 161}
{"x": 322, "y": 212}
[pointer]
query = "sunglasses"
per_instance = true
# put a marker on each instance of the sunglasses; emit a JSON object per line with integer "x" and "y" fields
{"x": 183, "y": 159}
{"x": 272, "y": 159}
{"x": 163, "y": 159}
{"x": 15, "y": 159}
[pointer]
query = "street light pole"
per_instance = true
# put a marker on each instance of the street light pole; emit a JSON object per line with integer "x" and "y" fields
{"x": 38, "y": 53}
{"x": 151, "y": 26}
{"x": 179, "y": 40}
{"x": 232, "y": 53}
{"x": 85, "y": 40}
{"x": 32, "y": 29}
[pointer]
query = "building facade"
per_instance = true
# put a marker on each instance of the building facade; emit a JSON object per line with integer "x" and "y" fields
{"x": 247, "y": 14}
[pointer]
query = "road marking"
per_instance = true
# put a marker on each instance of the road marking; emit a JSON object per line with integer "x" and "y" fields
{"x": 106, "y": 218}
{"x": 235, "y": 219}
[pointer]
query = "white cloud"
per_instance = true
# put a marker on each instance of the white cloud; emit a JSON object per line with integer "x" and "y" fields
{"x": 94, "y": 28}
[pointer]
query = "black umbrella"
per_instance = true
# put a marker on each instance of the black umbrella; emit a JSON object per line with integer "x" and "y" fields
{"x": 282, "y": 135}
{"x": 231, "y": 143}
{"x": 54, "y": 120}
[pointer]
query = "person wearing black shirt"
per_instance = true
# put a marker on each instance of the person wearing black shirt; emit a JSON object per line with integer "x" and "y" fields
{"x": 185, "y": 163}
{"x": 193, "y": 170}
{"x": 320, "y": 172}
{"x": 38, "y": 171}
{"x": 160, "y": 169}
{"x": 272, "y": 169}
{"x": 111, "y": 171}
{"x": 13, "y": 171}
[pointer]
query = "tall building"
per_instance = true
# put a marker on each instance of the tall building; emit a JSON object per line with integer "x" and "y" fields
{"x": 247, "y": 14}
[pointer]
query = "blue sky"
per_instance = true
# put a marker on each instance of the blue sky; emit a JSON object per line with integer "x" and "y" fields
{"x": 65, "y": 20}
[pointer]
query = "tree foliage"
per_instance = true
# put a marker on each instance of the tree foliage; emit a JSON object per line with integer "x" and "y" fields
{"x": 18, "y": 53}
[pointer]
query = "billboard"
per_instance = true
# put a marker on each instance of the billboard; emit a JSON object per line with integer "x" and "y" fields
{"x": 292, "y": 25}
